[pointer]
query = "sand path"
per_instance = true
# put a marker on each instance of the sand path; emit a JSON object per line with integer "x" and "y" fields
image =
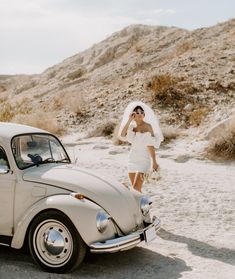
{"x": 196, "y": 203}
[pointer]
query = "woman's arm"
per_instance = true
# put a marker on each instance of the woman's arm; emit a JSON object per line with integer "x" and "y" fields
{"x": 152, "y": 153}
{"x": 150, "y": 129}
{"x": 124, "y": 130}
{"x": 151, "y": 150}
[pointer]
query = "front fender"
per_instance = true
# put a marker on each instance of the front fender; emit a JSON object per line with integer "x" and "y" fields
{"x": 81, "y": 212}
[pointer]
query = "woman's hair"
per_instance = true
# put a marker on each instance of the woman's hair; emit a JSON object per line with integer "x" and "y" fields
{"x": 138, "y": 107}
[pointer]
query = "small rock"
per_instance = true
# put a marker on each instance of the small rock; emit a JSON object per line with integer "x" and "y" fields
{"x": 182, "y": 159}
{"x": 188, "y": 107}
{"x": 221, "y": 128}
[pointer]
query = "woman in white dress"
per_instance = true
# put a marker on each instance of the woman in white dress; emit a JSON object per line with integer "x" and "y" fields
{"x": 141, "y": 128}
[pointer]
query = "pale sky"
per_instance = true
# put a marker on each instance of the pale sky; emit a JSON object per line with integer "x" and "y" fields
{"x": 37, "y": 34}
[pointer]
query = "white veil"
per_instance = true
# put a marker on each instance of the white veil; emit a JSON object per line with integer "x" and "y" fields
{"x": 150, "y": 117}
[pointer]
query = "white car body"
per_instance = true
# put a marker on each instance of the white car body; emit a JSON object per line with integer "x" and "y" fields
{"x": 77, "y": 194}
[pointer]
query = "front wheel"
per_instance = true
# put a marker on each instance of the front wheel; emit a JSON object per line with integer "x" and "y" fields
{"x": 54, "y": 242}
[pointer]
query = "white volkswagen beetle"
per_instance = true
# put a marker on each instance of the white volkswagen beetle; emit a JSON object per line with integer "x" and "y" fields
{"x": 60, "y": 209}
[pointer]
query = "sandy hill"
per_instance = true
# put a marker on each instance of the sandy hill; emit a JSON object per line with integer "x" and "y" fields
{"x": 187, "y": 76}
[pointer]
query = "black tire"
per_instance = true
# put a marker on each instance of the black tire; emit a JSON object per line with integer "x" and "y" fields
{"x": 58, "y": 257}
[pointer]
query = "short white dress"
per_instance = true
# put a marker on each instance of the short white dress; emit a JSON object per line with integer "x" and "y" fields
{"x": 139, "y": 159}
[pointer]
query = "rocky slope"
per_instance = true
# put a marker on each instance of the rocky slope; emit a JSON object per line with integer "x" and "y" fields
{"x": 186, "y": 76}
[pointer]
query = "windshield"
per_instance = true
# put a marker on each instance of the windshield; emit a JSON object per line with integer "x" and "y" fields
{"x": 34, "y": 149}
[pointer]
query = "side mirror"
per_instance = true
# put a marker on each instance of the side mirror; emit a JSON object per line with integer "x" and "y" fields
{"x": 4, "y": 170}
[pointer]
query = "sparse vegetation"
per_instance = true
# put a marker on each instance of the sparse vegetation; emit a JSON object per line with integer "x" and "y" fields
{"x": 23, "y": 106}
{"x": 57, "y": 103}
{"x": 75, "y": 74}
{"x": 3, "y": 99}
{"x": 6, "y": 112}
{"x": 21, "y": 112}
{"x": 170, "y": 133}
{"x": 138, "y": 48}
{"x": 177, "y": 94}
{"x": 184, "y": 47}
{"x": 2, "y": 88}
{"x": 42, "y": 120}
{"x": 195, "y": 118}
{"x": 75, "y": 102}
{"x": 115, "y": 139}
{"x": 94, "y": 83}
{"x": 170, "y": 91}
{"x": 25, "y": 86}
{"x": 223, "y": 146}
{"x": 105, "y": 130}
{"x": 51, "y": 74}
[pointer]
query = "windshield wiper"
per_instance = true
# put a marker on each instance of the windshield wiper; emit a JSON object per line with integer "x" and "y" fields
{"x": 65, "y": 160}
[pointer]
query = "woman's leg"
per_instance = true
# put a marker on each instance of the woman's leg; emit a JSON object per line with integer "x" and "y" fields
{"x": 132, "y": 177}
{"x": 137, "y": 180}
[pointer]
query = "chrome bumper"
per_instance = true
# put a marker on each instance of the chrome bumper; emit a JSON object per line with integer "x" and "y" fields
{"x": 124, "y": 242}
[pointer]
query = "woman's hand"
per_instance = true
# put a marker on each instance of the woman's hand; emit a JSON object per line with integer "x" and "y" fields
{"x": 156, "y": 166}
{"x": 124, "y": 130}
{"x": 132, "y": 116}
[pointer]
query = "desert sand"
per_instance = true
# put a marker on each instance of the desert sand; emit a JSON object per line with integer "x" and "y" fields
{"x": 195, "y": 200}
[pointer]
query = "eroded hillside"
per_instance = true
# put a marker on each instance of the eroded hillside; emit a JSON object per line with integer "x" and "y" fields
{"x": 186, "y": 76}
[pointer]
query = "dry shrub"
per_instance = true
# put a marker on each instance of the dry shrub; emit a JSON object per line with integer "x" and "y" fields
{"x": 162, "y": 83}
{"x": 25, "y": 86}
{"x": 42, "y": 120}
{"x": 184, "y": 47}
{"x": 170, "y": 91}
{"x": 58, "y": 103}
{"x": 195, "y": 118}
{"x": 51, "y": 74}
{"x": 176, "y": 93}
{"x": 115, "y": 139}
{"x": 6, "y": 112}
{"x": 138, "y": 48}
{"x": 75, "y": 74}
{"x": 2, "y": 88}
{"x": 23, "y": 106}
{"x": 223, "y": 146}
{"x": 105, "y": 130}
{"x": 72, "y": 101}
{"x": 163, "y": 88}
{"x": 170, "y": 133}
{"x": 75, "y": 102}
{"x": 3, "y": 99}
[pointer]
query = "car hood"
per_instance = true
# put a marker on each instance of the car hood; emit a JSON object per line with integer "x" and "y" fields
{"x": 111, "y": 195}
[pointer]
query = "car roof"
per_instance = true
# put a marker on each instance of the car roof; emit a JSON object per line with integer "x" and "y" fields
{"x": 9, "y": 130}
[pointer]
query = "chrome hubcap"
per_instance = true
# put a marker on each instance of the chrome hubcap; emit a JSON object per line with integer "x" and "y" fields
{"x": 53, "y": 243}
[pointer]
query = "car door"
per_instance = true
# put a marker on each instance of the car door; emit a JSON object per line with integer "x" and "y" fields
{"x": 7, "y": 189}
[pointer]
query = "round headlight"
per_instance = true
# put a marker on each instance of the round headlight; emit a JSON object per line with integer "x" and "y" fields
{"x": 102, "y": 220}
{"x": 145, "y": 205}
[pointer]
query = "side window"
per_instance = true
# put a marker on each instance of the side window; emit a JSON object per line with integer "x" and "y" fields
{"x": 3, "y": 160}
